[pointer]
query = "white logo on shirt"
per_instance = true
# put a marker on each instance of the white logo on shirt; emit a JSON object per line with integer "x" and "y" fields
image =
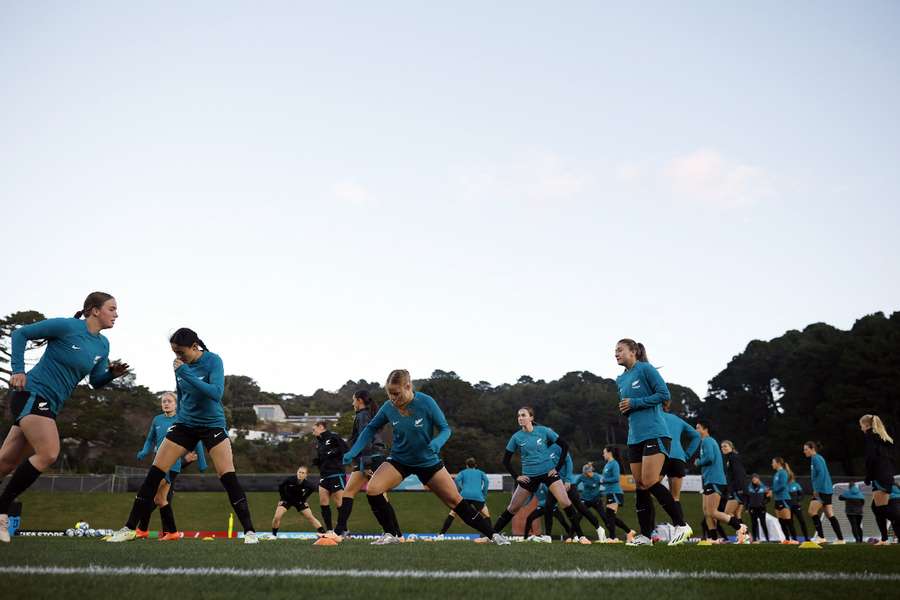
{"x": 635, "y": 384}
{"x": 42, "y": 406}
{"x": 74, "y": 347}
{"x": 97, "y": 359}
{"x": 523, "y": 443}
{"x": 171, "y": 427}
{"x": 418, "y": 422}
{"x": 220, "y": 433}
{"x": 394, "y": 423}
{"x": 327, "y": 442}
{"x": 540, "y": 441}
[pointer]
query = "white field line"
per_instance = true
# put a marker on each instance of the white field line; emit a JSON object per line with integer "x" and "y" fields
{"x": 97, "y": 570}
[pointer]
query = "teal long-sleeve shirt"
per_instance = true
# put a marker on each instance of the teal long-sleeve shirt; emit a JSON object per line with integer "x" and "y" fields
{"x": 678, "y": 427}
{"x": 821, "y": 478}
{"x": 566, "y": 473}
{"x": 591, "y": 487}
{"x": 710, "y": 462}
{"x": 415, "y": 443}
{"x": 72, "y": 354}
{"x": 534, "y": 449}
{"x": 472, "y": 484}
{"x": 611, "y": 477}
{"x": 780, "y": 488}
{"x": 159, "y": 426}
{"x": 200, "y": 386}
{"x": 646, "y": 390}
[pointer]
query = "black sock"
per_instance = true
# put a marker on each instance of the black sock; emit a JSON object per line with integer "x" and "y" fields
{"x": 143, "y": 502}
{"x": 574, "y": 520}
{"x": 562, "y": 521}
{"x": 668, "y": 502}
{"x": 144, "y": 523}
{"x": 22, "y": 478}
{"x": 379, "y": 505}
{"x": 502, "y": 521}
{"x": 274, "y": 531}
{"x": 473, "y": 518}
{"x": 720, "y": 531}
{"x": 792, "y": 529}
{"x": 238, "y": 500}
{"x": 705, "y": 528}
{"x": 586, "y": 513}
{"x": 448, "y": 522}
{"x": 855, "y": 521}
{"x": 713, "y": 533}
{"x": 344, "y": 511}
{"x": 326, "y": 515}
{"x": 880, "y": 520}
{"x": 611, "y": 523}
{"x": 395, "y": 524}
{"x": 167, "y": 516}
{"x": 622, "y": 524}
{"x": 764, "y": 526}
{"x": 836, "y": 526}
{"x": 735, "y": 523}
{"x": 320, "y": 529}
{"x": 817, "y": 521}
{"x": 643, "y": 507}
{"x": 785, "y": 528}
{"x": 799, "y": 515}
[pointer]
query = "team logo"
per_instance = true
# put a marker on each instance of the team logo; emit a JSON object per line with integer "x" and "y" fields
{"x": 419, "y": 422}
{"x": 97, "y": 359}
{"x": 42, "y": 406}
{"x": 74, "y": 347}
{"x": 394, "y": 423}
{"x": 171, "y": 428}
{"x": 540, "y": 441}
{"x": 635, "y": 385}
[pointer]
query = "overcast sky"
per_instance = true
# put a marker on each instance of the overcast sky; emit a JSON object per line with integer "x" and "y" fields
{"x": 328, "y": 191}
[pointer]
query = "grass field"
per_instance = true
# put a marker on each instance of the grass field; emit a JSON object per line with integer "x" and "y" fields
{"x": 62, "y": 568}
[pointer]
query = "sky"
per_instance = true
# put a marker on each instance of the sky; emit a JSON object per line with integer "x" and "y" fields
{"x": 328, "y": 191}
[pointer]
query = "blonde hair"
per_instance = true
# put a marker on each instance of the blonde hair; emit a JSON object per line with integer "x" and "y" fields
{"x": 786, "y": 467}
{"x": 877, "y": 426}
{"x": 398, "y": 377}
{"x": 172, "y": 394}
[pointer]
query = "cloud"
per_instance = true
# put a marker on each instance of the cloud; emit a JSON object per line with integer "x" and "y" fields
{"x": 540, "y": 176}
{"x": 352, "y": 193}
{"x": 706, "y": 176}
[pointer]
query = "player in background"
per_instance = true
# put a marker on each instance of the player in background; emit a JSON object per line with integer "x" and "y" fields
{"x": 615, "y": 497}
{"x": 714, "y": 485}
{"x": 567, "y": 475}
{"x": 330, "y": 449}
{"x": 822, "y": 492}
{"x": 590, "y": 487}
{"x": 294, "y": 493}
{"x": 796, "y": 492}
{"x": 854, "y": 503}
{"x": 757, "y": 497}
{"x": 473, "y": 485}
{"x": 880, "y": 470}
{"x": 736, "y": 478}
{"x": 782, "y": 495}
{"x": 676, "y": 463}
{"x": 75, "y": 349}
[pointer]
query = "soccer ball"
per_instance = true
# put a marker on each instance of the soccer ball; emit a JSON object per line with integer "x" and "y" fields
{"x": 82, "y": 525}
{"x": 70, "y": 533}
{"x": 90, "y": 533}
{"x": 79, "y": 532}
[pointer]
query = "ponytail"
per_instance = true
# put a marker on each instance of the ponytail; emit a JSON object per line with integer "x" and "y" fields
{"x": 640, "y": 352}
{"x": 874, "y": 421}
{"x": 367, "y": 401}
{"x": 93, "y": 300}
{"x": 187, "y": 337}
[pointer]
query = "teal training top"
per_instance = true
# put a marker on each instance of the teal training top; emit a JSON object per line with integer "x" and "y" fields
{"x": 591, "y": 487}
{"x": 566, "y": 473}
{"x": 853, "y": 493}
{"x": 645, "y": 388}
{"x": 677, "y": 428}
{"x": 611, "y": 477}
{"x": 821, "y": 479}
{"x": 414, "y": 443}
{"x": 200, "y": 386}
{"x": 534, "y": 450}
{"x": 780, "y": 489}
{"x": 541, "y": 494}
{"x": 472, "y": 484}
{"x": 895, "y": 492}
{"x": 710, "y": 462}
{"x": 72, "y": 353}
{"x": 159, "y": 426}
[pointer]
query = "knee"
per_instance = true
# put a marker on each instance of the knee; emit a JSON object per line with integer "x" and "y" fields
{"x": 43, "y": 460}
{"x": 648, "y": 481}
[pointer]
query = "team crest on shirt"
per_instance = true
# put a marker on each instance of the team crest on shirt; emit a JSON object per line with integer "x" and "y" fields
{"x": 97, "y": 359}
{"x": 635, "y": 385}
{"x": 540, "y": 441}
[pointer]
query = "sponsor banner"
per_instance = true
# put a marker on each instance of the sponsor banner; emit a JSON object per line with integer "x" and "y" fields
{"x": 36, "y": 533}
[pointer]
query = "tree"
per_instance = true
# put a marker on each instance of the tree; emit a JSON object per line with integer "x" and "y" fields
{"x": 7, "y": 326}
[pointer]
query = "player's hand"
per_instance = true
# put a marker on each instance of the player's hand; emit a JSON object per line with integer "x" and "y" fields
{"x": 17, "y": 381}
{"x": 190, "y": 457}
{"x": 347, "y": 459}
{"x": 552, "y": 473}
{"x": 177, "y": 363}
{"x": 118, "y": 368}
{"x": 523, "y": 479}
{"x": 141, "y": 455}
{"x": 625, "y": 406}
{"x": 434, "y": 447}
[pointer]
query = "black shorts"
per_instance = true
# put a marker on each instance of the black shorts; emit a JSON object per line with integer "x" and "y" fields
{"x": 478, "y": 504}
{"x": 187, "y": 436}
{"x": 300, "y": 506}
{"x": 23, "y": 403}
{"x": 615, "y": 498}
{"x": 713, "y": 488}
{"x": 170, "y": 478}
{"x": 825, "y": 499}
{"x": 781, "y": 505}
{"x": 736, "y": 497}
{"x": 884, "y": 482}
{"x": 332, "y": 483}
{"x": 636, "y": 452}
{"x": 423, "y": 473}
{"x": 535, "y": 482}
{"x": 368, "y": 463}
{"x": 674, "y": 468}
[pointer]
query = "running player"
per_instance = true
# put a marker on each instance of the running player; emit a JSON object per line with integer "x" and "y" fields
{"x": 294, "y": 492}
{"x": 880, "y": 470}
{"x": 757, "y": 496}
{"x": 854, "y": 502}
{"x": 473, "y": 485}
{"x": 642, "y": 392}
{"x": 163, "y": 499}
{"x": 567, "y": 476}
{"x": 615, "y": 497}
{"x": 796, "y": 491}
{"x": 330, "y": 449}
{"x": 200, "y": 381}
{"x": 533, "y": 443}
{"x": 676, "y": 463}
{"x": 75, "y": 349}
{"x": 781, "y": 491}
{"x": 736, "y": 477}
{"x": 366, "y": 463}
{"x": 822, "y": 490}
{"x": 714, "y": 486}
{"x": 415, "y": 451}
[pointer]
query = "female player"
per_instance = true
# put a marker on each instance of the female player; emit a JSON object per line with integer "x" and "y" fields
{"x": 736, "y": 478}
{"x": 75, "y": 349}
{"x": 473, "y": 485}
{"x": 200, "y": 381}
{"x": 590, "y": 487}
{"x": 330, "y": 449}
{"x": 533, "y": 443}
{"x": 642, "y": 392}
{"x": 713, "y": 478}
{"x": 163, "y": 499}
{"x": 796, "y": 492}
{"x": 615, "y": 498}
{"x": 822, "y": 490}
{"x": 881, "y": 519}
{"x": 415, "y": 451}
{"x": 854, "y": 502}
{"x": 676, "y": 463}
{"x": 294, "y": 492}
{"x": 567, "y": 476}
{"x": 783, "y": 498}
{"x": 757, "y": 496}
{"x": 548, "y": 512}
{"x": 880, "y": 469}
